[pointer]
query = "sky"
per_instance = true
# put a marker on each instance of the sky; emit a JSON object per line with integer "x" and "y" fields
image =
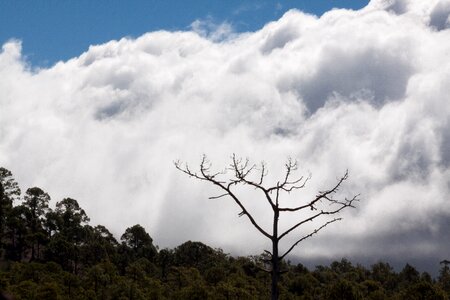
{"x": 360, "y": 88}
{"x": 59, "y": 30}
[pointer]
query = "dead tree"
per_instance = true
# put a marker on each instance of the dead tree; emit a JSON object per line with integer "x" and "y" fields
{"x": 244, "y": 173}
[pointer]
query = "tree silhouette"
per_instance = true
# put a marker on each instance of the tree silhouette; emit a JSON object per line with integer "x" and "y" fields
{"x": 68, "y": 221}
{"x": 139, "y": 241}
{"x": 9, "y": 192}
{"x": 444, "y": 275}
{"x": 247, "y": 174}
{"x": 36, "y": 202}
{"x": 71, "y": 219}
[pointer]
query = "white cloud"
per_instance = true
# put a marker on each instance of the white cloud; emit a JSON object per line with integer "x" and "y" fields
{"x": 215, "y": 32}
{"x": 365, "y": 90}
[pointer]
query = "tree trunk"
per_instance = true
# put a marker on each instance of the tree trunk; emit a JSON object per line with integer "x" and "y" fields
{"x": 32, "y": 252}
{"x": 275, "y": 260}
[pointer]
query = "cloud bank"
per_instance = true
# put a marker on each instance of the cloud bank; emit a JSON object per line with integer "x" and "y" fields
{"x": 361, "y": 90}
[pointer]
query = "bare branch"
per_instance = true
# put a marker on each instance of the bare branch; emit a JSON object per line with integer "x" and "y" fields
{"x": 319, "y": 197}
{"x": 308, "y": 236}
{"x": 291, "y": 165}
{"x": 187, "y": 171}
{"x": 293, "y": 185}
{"x": 241, "y": 169}
{"x": 290, "y": 185}
{"x": 217, "y": 197}
{"x": 244, "y": 210}
{"x": 205, "y": 175}
{"x": 241, "y": 175}
{"x": 348, "y": 203}
{"x": 299, "y": 224}
{"x": 263, "y": 173}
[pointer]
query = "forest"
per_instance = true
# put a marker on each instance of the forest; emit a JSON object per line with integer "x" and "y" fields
{"x": 54, "y": 253}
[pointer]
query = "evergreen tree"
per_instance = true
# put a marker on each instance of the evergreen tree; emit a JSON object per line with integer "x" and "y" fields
{"x": 17, "y": 233}
{"x": 444, "y": 276}
{"x": 36, "y": 202}
{"x": 9, "y": 192}
{"x": 68, "y": 221}
{"x": 139, "y": 242}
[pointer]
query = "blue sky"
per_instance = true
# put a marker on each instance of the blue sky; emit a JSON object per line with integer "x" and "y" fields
{"x": 58, "y": 30}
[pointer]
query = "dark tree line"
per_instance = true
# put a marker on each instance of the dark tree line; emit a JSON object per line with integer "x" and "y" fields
{"x": 54, "y": 253}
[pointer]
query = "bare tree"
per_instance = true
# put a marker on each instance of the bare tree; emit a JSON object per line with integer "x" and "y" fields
{"x": 244, "y": 173}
